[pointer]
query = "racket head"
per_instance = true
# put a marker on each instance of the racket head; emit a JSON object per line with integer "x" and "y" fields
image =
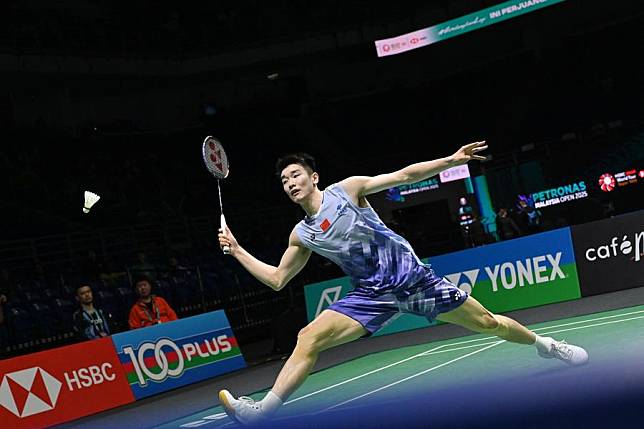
{"x": 214, "y": 156}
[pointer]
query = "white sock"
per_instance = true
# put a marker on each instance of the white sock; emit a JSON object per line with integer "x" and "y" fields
{"x": 542, "y": 343}
{"x": 271, "y": 403}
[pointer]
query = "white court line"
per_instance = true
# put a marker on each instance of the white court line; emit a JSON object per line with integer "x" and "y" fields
{"x": 439, "y": 349}
{"x": 470, "y": 354}
{"x": 487, "y": 338}
{"x": 414, "y": 375}
{"x": 446, "y": 350}
{"x": 590, "y": 320}
{"x": 362, "y": 375}
{"x": 596, "y": 324}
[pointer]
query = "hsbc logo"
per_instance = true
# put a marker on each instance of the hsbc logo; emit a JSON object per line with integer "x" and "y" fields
{"x": 29, "y": 391}
{"x": 34, "y": 390}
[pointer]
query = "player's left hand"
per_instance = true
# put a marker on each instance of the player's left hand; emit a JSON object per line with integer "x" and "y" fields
{"x": 469, "y": 152}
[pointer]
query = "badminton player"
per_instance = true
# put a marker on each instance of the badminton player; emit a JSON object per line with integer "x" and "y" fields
{"x": 387, "y": 276}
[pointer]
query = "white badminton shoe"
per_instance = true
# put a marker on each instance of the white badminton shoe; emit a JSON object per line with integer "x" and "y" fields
{"x": 572, "y": 355}
{"x": 244, "y": 410}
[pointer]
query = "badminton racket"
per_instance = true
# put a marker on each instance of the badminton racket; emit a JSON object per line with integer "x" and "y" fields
{"x": 216, "y": 162}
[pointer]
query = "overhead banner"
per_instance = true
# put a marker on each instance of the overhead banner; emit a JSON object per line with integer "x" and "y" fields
{"x": 42, "y": 389}
{"x": 169, "y": 355}
{"x": 521, "y": 273}
{"x": 561, "y": 194}
{"x": 459, "y": 26}
{"x": 610, "y": 253}
{"x": 455, "y": 173}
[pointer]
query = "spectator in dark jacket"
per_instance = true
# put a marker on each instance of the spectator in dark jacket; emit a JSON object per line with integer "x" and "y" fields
{"x": 506, "y": 226}
{"x": 89, "y": 321}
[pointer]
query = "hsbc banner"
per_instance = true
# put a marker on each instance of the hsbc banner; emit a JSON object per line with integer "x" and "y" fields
{"x": 182, "y": 352}
{"x": 66, "y": 383}
{"x": 610, "y": 253}
{"x": 525, "y": 272}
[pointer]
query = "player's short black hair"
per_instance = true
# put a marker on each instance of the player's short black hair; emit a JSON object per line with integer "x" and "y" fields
{"x": 301, "y": 158}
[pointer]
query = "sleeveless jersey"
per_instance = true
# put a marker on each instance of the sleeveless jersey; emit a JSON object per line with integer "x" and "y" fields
{"x": 376, "y": 259}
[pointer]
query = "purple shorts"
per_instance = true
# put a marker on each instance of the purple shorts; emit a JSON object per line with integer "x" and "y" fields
{"x": 429, "y": 298}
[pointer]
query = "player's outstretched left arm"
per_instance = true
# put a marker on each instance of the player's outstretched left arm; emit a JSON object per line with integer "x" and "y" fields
{"x": 359, "y": 186}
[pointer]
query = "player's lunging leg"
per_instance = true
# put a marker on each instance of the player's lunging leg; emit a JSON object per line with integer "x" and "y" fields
{"x": 473, "y": 316}
{"x": 328, "y": 330}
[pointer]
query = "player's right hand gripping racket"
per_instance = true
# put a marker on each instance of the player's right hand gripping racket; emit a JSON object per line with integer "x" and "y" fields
{"x": 217, "y": 164}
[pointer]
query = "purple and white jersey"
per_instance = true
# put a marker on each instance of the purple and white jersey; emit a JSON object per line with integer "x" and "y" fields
{"x": 376, "y": 259}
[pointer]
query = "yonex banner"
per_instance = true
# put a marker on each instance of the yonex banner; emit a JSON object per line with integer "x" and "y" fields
{"x": 66, "y": 383}
{"x": 319, "y": 296}
{"x": 525, "y": 272}
{"x": 610, "y": 253}
{"x": 170, "y": 355}
{"x": 459, "y": 26}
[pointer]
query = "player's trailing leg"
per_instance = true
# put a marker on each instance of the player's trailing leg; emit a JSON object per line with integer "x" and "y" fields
{"x": 473, "y": 316}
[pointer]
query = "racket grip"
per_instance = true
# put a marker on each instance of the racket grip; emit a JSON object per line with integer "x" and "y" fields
{"x": 222, "y": 222}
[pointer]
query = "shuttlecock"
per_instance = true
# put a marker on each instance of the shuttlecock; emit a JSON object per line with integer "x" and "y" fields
{"x": 90, "y": 199}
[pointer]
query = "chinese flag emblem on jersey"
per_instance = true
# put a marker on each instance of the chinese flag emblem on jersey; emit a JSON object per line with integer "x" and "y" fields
{"x": 325, "y": 225}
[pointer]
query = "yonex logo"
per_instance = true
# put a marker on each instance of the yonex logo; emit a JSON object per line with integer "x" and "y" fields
{"x": 29, "y": 391}
{"x": 526, "y": 272}
{"x": 328, "y": 297}
{"x": 470, "y": 279}
{"x": 520, "y": 273}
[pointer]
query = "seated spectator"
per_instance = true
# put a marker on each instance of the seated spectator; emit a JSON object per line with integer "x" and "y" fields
{"x": 89, "y": 322}
{"x": 506, "y": 226}
{"x": 149, "y": 309}
{"x": 530, "y": 217}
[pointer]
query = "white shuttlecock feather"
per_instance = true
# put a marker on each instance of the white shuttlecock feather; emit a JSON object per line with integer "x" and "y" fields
{"x": 90, "y": 199}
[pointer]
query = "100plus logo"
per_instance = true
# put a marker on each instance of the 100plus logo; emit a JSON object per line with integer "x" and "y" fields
{"x": 508, "y": 275}
{"x": 164, "y": 358}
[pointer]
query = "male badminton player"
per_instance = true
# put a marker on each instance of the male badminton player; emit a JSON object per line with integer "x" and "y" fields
{"x": 387, "y": 276}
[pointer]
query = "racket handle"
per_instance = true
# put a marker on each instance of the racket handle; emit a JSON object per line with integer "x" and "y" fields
{"x": 222, "y": 222}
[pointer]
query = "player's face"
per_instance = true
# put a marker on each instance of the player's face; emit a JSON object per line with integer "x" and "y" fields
{"x": 297, "y": 182}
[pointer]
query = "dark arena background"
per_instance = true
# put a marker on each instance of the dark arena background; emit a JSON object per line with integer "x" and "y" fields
{"x": 116, "y": 99}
